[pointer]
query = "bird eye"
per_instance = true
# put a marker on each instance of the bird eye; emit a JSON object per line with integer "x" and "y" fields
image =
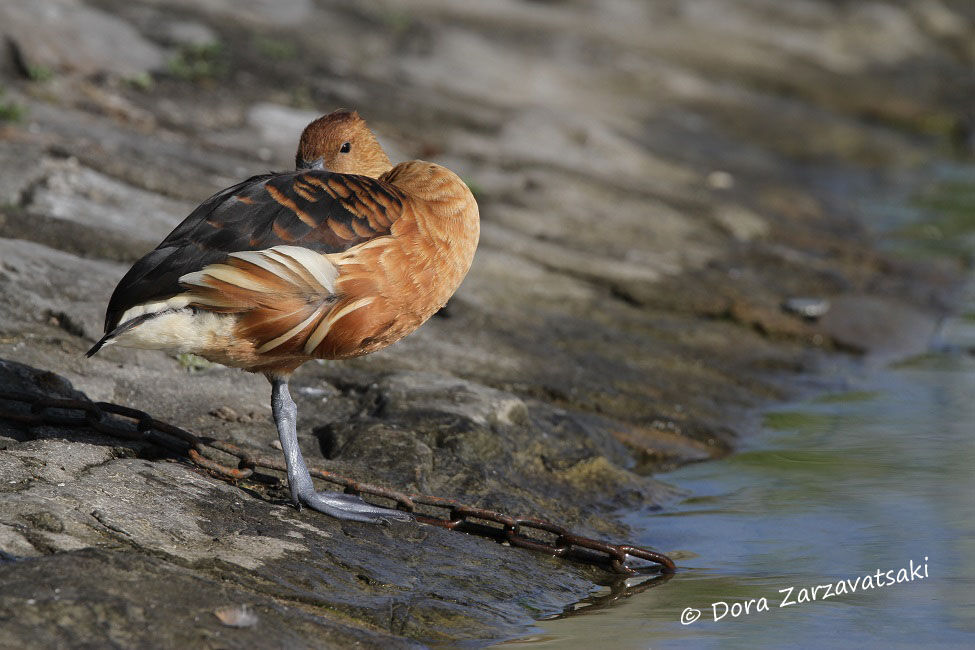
{"x": 346, "y": 147}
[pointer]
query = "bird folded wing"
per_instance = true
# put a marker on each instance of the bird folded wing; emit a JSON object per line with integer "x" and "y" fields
{"x": 314, "y": 211}
{"x": 283, "y": 295}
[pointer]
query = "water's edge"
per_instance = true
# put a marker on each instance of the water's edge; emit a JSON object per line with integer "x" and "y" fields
{"x": 868, "y": 472}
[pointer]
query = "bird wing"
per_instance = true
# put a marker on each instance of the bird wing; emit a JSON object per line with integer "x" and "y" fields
{"x": 302, "y": 215}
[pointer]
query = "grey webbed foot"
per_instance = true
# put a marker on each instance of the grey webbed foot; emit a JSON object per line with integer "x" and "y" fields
{"x": 335, "y": 504}
{"x": 351, "y": 507}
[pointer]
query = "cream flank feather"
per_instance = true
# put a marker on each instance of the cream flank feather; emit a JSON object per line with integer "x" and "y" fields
{"x": 285, "y": 288}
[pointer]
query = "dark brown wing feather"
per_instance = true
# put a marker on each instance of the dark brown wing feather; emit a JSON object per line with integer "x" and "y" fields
{"x": 322, "y": 211}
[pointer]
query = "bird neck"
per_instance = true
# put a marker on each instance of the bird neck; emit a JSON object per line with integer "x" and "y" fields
{"x": 376, "y": 165}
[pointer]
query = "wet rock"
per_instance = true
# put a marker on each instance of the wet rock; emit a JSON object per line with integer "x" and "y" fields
{"x": 855, "y": 36}
{"x": 743, "y": 224}
{"x": 18, "y": 178}
{"x": 276, "y": 127}
{"x": 52, "y": 461}
{"x": 75, "y": 193}
{"x": 101, "y": 595}
{"x": 284, "y": 13}
{"x": 883, "y": 327}
{"x": 36, "y": 281}
{"x": 187, "y": 33}
{"x": 400, "y": 458}
{"x": 174, "y": 165}
{"x": 659, "y": 447}
{"x": 405, "y": 392}
{"x": 15, "y": 545}
{"x": 72, "y": 36}
{"x": 579, "y": 145}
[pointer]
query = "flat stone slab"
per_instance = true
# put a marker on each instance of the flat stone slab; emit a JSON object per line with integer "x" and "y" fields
{"x": 68, "y": 35}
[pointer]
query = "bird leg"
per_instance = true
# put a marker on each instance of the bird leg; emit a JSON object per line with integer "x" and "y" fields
{"x": 335, "y": 504}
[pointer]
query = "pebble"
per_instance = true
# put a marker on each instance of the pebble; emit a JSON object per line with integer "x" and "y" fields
{"x": 811, "y": 308}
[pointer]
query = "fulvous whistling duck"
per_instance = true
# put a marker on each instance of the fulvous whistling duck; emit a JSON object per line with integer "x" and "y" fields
{"x": 337, "y": 259}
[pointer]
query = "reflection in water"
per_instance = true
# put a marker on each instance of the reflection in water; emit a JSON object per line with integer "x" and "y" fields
{"x": 614, "y": 593}
{"x": 837, "y": 488}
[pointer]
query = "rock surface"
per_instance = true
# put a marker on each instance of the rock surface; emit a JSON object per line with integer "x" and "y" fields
{"x": 69, "y": 35}
{"x": 655, "y": 180}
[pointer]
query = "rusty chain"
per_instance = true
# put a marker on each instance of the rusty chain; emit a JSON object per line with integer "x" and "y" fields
{"x": 533, "y": 534}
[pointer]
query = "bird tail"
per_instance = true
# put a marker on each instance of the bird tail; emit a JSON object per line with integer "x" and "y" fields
{"x": 124, "y": 327}
{"x": 98, "y": 346}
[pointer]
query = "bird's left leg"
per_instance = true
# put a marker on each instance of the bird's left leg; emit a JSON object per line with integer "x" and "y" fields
{"x": 335, "y": 504}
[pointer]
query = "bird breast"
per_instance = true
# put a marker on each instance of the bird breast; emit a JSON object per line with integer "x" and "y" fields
{"x": 407, "y": 276}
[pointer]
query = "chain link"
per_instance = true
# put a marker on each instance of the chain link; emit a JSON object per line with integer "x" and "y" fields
{"x": 533, "y": 534}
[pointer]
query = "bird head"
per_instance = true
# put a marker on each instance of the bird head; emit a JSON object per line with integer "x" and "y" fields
{"x": 341, "y": 142}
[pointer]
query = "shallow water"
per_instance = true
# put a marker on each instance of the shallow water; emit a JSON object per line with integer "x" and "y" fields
{"x": 876, "y": 476}
{"x": 834, "y": 488}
